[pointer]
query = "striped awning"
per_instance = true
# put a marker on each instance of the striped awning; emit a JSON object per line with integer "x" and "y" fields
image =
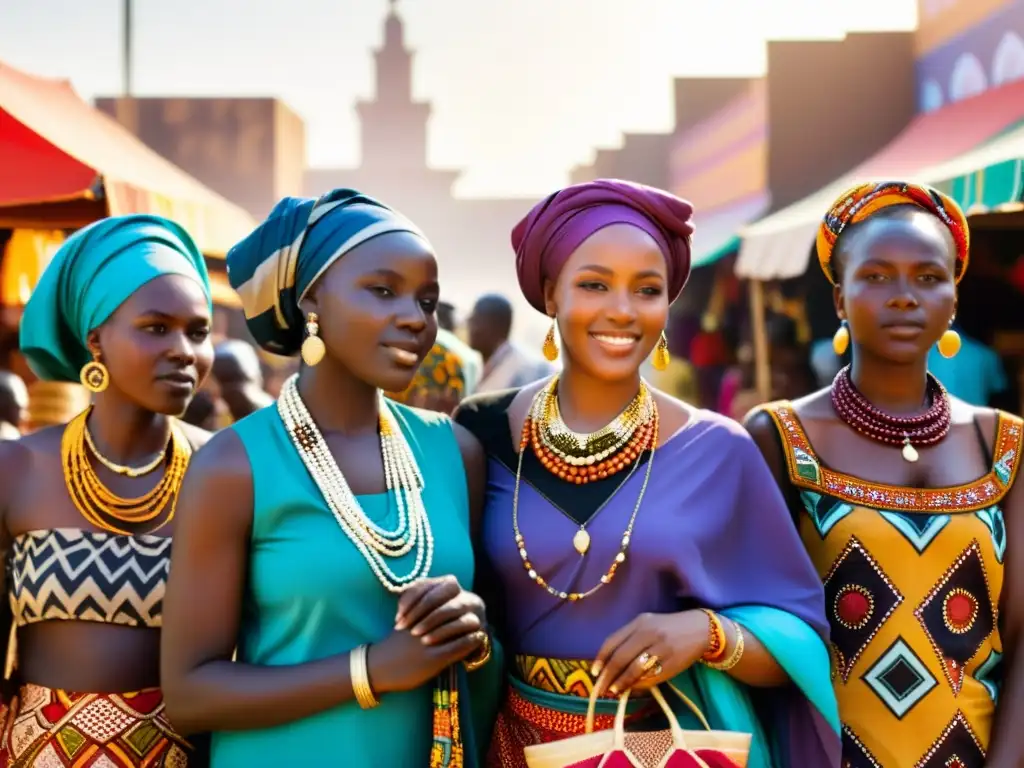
{"x": 987, "y": 179}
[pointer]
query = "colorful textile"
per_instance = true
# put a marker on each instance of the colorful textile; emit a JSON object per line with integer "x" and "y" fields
{"x": 447, "y": 750}
{"x": 534, "y": 716}
{"x": 861, "y": 202}
{"x": 713, "y": 530}
{"x": 49, "y": 728}
{"x": 441, "y": 378}
{"x": 90, "y": 276}
{"x": 274, "y": 267}
{"x": 912, "y": 580}
{"x": 555, "y": 227}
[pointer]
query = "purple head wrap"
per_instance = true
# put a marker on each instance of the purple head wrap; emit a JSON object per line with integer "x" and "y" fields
{"x": 559, "y": 224}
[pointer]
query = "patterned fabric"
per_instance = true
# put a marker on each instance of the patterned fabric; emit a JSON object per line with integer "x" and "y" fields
{"x": 47, "y": 728}
{"x": 912, "y": 584}
{"x": 274, "y": 267}
{"x": 523, "y": 723}
{"x": 860, "y": 202}
{"x": 441, "y": 378}
{"x": 447, "y": 750}
{"x": 570, "y": 677}
{"x": 67, "y": 573}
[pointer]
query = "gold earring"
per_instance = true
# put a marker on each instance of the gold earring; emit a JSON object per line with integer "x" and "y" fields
{"x": 841, "y": 340}
{"x": 313, "y": 348}
{"x": 661, "y": 357}
{"x": 949, "y": 343}
{"x": 94, "y": 375}
{"x": 550, "y": 348}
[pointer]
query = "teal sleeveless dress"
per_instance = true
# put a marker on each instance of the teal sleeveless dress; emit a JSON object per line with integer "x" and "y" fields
{"x": 310, "y": 594}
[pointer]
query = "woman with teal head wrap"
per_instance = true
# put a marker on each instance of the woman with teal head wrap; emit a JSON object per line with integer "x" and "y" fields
{"x": 86, "y": 507}
{"x": 329, "y": 533}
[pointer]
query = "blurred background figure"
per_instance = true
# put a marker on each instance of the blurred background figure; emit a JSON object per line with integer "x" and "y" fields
{"x": 975, "y": 374}
{"x": 506, "y": 366}
{"x": 443, "y": 378}
{"x": 237, "y": 370}
{"x": 13, "y": 406}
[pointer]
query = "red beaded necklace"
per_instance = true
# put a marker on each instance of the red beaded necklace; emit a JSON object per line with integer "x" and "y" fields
{"x": 926, "y": 428}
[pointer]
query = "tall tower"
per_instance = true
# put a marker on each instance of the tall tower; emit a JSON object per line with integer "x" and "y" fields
{"x": 394, "y": 126}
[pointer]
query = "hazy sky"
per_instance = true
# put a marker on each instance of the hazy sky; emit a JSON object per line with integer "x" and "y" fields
{"x": 522, "y": 89}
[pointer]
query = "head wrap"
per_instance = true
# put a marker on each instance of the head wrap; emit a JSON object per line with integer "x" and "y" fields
{"x": 559, "y": 224}
{"x": 92, "y": 274}
{"x": 274, "y": 267}
{"x": 865, "y": 200}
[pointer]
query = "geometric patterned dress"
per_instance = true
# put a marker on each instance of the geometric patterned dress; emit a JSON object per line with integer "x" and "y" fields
{"x": 912, "y": 584}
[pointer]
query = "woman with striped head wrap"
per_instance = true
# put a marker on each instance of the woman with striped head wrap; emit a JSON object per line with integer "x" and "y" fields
{"x": 906, "y": 498}
{"x": 87, "y": 508}
{"x": 329, "y": 532}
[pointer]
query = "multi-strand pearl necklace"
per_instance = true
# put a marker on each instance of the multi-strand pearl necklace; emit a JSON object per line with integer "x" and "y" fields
{"x": 401, "y": 473}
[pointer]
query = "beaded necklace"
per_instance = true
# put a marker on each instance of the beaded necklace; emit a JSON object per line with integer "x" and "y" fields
{"x": 581, "y": 540}
{"x": 857, "y": 412}
{"x": 402, "y": 475}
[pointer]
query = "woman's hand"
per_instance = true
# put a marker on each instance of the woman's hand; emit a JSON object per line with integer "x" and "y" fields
{"x": 438, "y": 624}
{"x": 652, "y": 648}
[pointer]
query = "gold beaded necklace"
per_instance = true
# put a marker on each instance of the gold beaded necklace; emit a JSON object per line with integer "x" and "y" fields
{"x": 581, "y": 541}
{"x": 98, "y": 504}
{"x": 124, "y": 469}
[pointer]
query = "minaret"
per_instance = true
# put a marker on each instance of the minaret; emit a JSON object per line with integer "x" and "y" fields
{"x": 394, "y": 127}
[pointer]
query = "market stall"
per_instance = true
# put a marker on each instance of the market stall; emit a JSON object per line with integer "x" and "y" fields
{"x": 944, "y": 146}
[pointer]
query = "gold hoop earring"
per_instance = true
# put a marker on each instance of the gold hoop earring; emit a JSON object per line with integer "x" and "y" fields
{"x": 949, "y": 343}
{"x": 841, "y": 340}
{"x": 94, "y": 375}
{"x": 661, "y": 358}
{"x": 313, "y": 347}
{"x": 550, "y": 348}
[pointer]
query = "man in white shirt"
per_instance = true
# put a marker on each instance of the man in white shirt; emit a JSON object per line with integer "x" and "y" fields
{"x": 506, "y": 366}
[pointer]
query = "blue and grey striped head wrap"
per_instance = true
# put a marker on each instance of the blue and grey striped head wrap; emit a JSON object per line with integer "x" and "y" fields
{"x": 275, "y": 266}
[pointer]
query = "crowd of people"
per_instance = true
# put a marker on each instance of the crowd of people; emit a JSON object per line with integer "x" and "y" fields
{"x": 429, "y": 546}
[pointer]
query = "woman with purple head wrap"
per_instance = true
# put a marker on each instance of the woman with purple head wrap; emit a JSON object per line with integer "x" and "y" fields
{"x": 630, "y": 539}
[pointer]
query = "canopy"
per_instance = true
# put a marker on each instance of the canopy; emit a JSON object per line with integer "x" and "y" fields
{"x": 780, "y": 245}
{"x": 987, "y": 179}
{"x": 64, "y": 164}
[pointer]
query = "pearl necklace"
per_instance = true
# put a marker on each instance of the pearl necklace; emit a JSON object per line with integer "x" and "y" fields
{"x": 401, "y": 473}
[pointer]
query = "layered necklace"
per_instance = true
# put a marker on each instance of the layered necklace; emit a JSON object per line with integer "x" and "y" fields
{"x": 905, "y": 432}
{"x": 402, "y": 476}
{"x": 102, "y": 507}
{"x": 583, "y": 458}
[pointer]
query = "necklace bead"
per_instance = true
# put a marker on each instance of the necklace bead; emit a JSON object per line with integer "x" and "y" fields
{"x": 906, "y": 432}
{"x": 403, "y": 479}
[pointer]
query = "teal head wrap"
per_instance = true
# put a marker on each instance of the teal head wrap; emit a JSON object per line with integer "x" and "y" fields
{"x": 92, "y": 274}
{"x": 275, "y": 266}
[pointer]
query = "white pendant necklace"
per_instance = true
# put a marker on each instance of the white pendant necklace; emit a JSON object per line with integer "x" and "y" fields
{"x": 402, "y": 475}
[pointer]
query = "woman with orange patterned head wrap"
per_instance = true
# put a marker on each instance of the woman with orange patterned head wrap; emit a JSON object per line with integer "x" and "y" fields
{"x": 905, "y": 498}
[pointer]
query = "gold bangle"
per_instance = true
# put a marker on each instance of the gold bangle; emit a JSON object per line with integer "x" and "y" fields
{"x": 734, "y": 657}
{"x": 360, "y": 674}
{"x": 481, "y": 657}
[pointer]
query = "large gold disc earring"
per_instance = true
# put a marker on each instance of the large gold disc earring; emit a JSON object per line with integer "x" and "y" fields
{"x": 313, "y": 347}
{"x": 94, "y": 375}
{"x": 841, "y": 340}
{"x": 550, "y": 348}
{"x": 661, "y": 357}
{"x": 949, "y": 343}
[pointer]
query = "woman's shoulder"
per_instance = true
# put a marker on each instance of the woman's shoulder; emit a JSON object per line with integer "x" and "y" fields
{"x": 483, "y": 412}
{"x": 677, "y": 416}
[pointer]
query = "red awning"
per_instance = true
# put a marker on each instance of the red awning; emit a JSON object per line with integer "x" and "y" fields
{"x": 64, "y": 164}
{"x": 779, "y": 245}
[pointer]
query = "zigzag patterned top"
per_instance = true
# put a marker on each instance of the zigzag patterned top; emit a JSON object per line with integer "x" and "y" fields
{"x": 66, "y": 573}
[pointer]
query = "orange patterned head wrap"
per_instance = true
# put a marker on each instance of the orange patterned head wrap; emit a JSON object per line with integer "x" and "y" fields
{"x": 865, "y": 200}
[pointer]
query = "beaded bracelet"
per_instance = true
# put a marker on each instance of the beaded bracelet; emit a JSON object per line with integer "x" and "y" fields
{"x": 734, "y": 657}
{"x": 360, "y": 675}
{"x": 717, "y": 642}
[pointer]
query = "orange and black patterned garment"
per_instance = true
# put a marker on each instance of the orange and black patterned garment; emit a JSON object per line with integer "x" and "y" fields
{"x": 913, "y": 578}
